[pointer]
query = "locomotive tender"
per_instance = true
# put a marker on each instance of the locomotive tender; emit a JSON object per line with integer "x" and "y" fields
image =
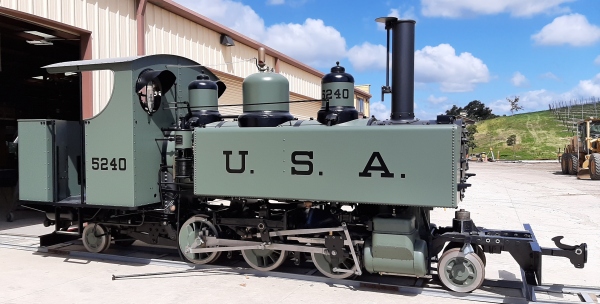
{"x": 160, "y": 164}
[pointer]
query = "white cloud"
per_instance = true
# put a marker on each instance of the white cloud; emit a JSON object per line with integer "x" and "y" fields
{"x": 379, "y": 110}
{"x": 573, "y": 29}
{"x": 588, "y": 88}
{"x": 367, "y": 57}
{"x": 466, "y": 8}
{"x": 550, "y": 75}
{"x": 597, "y": 60}
{"x": 312, "y": 42}
{"x": 534, "y": 100}
{"x": 500, "y": 106}
{"x": 400, "y": 14}
{"x": 437, "y": 64}
{"x": 246, "y": 20}
{"x": 537, "y": 100}
{"x": 519, "y": 80}
{"x": 454, "y": 73}
{"x": 275, "y": 2}
{"x": 436, "y": 100}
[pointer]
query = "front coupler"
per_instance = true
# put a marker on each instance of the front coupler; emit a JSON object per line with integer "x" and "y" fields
{"x": 522, "y": 245}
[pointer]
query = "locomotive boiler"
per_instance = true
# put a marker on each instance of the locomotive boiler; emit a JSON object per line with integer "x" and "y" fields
{"x": 160, "y": 164}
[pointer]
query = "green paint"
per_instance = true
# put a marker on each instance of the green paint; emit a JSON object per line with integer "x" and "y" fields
{"x": 203, "y": 99}
{"x": 340, "y": 153}
{"x": 48, "y": 151}
{"x": 339, "y": 94}
{"x": 124, "y": 132}
{"x": 398, "y": 250}
{"x": 266, "y": 87}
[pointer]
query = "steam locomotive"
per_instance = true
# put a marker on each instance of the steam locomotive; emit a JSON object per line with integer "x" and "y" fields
{"x": 160, "y": 164}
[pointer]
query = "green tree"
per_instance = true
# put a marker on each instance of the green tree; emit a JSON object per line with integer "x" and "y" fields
{"x": 472, "y": 129}
{"x": 514, "y": 105}
{"x": 454, "y": 110}
{"x": 511, "y": 141}
{"x": 477, "y": 110}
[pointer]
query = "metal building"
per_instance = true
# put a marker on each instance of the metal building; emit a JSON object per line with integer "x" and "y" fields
{"x": 98, "y": 29}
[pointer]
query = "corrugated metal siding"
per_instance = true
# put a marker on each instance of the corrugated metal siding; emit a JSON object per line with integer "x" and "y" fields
{"x": 304, "y": 110}
{"x": 366, "y": 88}
{"x": 301, "y": 82}
{"x": 167, "y": 33}
{"x": 232, "y": 95}
{"x": 113, "y": 27}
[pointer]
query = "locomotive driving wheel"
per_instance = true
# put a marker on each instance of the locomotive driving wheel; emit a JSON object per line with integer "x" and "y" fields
{"x": 96, "y": 238}
{"x": 264, "y": 259}
{"x": 461, "y": 272}
{"x": 192, "y": 231}
{"x": 326, "y": 267}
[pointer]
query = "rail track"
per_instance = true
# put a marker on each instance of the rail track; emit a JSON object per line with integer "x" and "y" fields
{"x": 492, "y": 291}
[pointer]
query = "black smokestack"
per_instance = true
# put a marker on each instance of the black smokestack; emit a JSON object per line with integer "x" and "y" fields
{"x": 403, "y": 70}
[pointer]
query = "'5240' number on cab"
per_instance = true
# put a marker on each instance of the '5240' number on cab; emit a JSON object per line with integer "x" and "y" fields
{"x": 105, "y": 164}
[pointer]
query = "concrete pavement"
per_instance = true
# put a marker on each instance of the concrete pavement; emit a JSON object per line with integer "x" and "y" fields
{"x": 503, "y": 196}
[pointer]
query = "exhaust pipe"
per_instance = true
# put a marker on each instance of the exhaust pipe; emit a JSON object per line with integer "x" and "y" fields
{"x": 403, "y": 68}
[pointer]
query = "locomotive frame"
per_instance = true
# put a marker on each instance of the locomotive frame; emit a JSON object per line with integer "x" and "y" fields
{"x": 173, "y": 158}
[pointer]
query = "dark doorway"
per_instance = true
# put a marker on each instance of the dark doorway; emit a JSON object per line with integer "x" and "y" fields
{"x": 26, "y": 90}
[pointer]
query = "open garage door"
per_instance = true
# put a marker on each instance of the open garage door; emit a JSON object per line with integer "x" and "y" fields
{"x": 27, "y": 90}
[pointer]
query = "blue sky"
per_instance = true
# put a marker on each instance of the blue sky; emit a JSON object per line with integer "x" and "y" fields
{"x": 539, "y": 50}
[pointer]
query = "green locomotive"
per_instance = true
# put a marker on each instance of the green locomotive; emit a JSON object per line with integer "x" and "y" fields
{"x": 160, "y": 164}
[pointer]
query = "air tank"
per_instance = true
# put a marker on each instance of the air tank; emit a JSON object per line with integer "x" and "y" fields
{"x": 265, "y": 100}
{"x": 203, "y": 95}
{"x": 337, "y": 88}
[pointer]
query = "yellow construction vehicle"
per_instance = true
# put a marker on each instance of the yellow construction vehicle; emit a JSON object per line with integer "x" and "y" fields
{"x": 582, "y": 155}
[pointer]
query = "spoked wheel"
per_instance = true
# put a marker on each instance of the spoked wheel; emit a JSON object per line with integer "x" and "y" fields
{"x": 478, "y": 250}
{"x": 264, "y": 259}
{"x": 325, "y": 266}
{"x": 459, "y": 272}
{"x": 96, "y": 238}
{"x": 194, "y": 228}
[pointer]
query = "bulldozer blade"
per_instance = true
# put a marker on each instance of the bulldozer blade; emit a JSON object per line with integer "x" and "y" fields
{"x": 583, "y": 173}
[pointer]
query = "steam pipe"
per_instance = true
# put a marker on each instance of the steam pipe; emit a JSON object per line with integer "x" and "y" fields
{"x": 403, "y": 70}
{"x": 387, "y": 89}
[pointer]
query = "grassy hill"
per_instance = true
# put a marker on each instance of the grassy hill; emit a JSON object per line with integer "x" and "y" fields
{"x": 539, "y": 135}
